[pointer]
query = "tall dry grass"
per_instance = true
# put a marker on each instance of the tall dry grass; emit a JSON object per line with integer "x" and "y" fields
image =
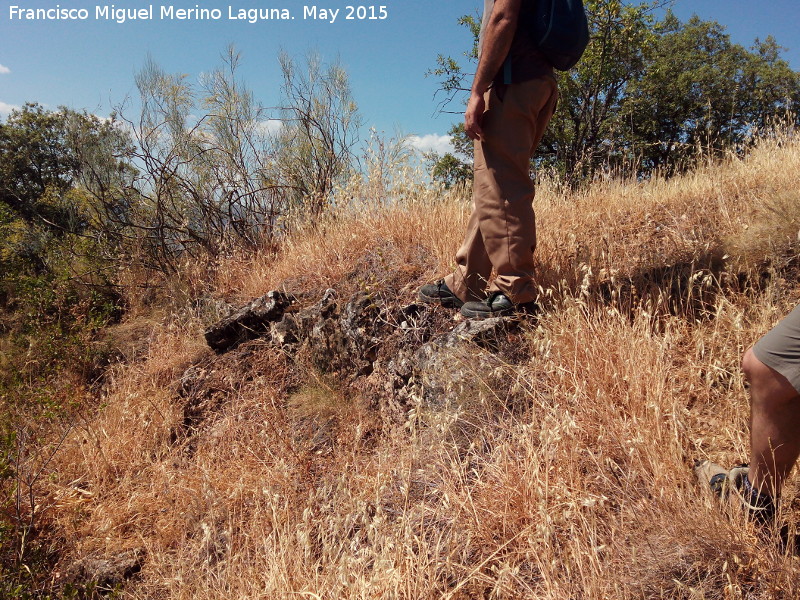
{"x": 563, "y": 473}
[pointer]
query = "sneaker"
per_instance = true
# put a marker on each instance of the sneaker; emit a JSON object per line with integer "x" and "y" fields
{"x": 734, "y": 483}
{"x": 438, "y": 292}
{"x": 496, "y": 305}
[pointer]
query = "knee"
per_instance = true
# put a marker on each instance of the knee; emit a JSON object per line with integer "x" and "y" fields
{"x": 766, "y": 384}
{"x": 757, "y": 375}
{"x": 751, "y": 367}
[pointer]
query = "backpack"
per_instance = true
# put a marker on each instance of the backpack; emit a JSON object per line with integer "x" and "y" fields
{"x": 561, "y": 31}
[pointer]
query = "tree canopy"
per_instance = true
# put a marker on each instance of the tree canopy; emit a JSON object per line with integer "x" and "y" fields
{"x": 47, "y": 161}
{"x": 35, "y": 156}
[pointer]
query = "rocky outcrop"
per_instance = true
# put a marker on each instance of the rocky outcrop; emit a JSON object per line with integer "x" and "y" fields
{"x": 249, "y": 322}
{"x": 101, "y": 573}
{"x": 403, "y": 354}
{"x": 337, "y": 338}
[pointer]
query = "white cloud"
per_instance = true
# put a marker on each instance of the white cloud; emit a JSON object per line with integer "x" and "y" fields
{"x": 270, "y": 126}
{"x": 431, "y": 142}
{"x": 4, "y": 70}
{"x": 5, "y": 109}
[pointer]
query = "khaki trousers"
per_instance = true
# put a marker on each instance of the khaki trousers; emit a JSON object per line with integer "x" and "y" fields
{"x": 501, "y": 232}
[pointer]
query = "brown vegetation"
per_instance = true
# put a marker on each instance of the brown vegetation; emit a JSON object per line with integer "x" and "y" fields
{"x": 568, "y": 477}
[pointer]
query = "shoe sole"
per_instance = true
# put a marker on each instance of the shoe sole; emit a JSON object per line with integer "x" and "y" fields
{"x": 453, "y": 302}
{"x": 479, "y": 314}
{"x": 528, "y": 309}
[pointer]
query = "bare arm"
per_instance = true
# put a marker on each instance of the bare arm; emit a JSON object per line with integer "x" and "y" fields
{"x": 496, "y": 43}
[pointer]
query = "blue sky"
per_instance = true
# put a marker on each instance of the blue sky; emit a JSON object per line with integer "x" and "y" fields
{"x": 90, "y": 64}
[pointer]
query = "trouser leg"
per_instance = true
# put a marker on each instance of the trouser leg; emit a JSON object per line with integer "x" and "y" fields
{"x": 502, "y": 228}
{"x": 471, "y": 277}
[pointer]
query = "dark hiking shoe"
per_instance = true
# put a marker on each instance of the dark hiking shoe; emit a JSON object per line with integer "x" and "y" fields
{"x": 734, "y": 485}
{"x": 496, "y": 305}
{"x": 439, "y": 293}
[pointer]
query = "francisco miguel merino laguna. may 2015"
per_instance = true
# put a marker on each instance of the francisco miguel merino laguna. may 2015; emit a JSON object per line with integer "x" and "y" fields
{"x": 110, "y": 12}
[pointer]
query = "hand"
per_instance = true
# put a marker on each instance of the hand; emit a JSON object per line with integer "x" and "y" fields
{"x": 474, "y": 115}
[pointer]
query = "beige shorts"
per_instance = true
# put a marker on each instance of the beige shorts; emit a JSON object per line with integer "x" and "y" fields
{"x": 780, "y": 348}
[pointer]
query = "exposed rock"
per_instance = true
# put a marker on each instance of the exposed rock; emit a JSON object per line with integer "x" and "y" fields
{"x": 437, "y": 371}
{"x": 345, "y": 340}
{"x": 250, "y": 321}
{"x": 362, "y": 326}
{"x": 286, "y": 332}
{"x": 103, "y": 573}
{"x": 486, "y": 333}
{"x": 191, "y": 382}
{"x": 412, "y": 363}
{"x": 409, "y": 313}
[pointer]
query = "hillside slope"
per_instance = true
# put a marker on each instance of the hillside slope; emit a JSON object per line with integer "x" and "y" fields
{"x": 553, "y": 462}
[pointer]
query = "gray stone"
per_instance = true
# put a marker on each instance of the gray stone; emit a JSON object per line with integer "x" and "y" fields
{"x": 346, "y": 341}
{"x": 249, "y": 322}
{"x": 437, "y": 371}
{"x": 285, "y": 332}
{"x": 486, "y": 333}
{"x": 104, "y": 573}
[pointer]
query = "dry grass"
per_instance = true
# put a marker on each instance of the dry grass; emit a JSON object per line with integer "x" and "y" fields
{"x": 740, "y": 214}
{"x": 567, "y": 474}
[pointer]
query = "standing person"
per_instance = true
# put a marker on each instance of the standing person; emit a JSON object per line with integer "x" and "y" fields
{"x": 772, "y": 367}
{"x": 512, "y": 99}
